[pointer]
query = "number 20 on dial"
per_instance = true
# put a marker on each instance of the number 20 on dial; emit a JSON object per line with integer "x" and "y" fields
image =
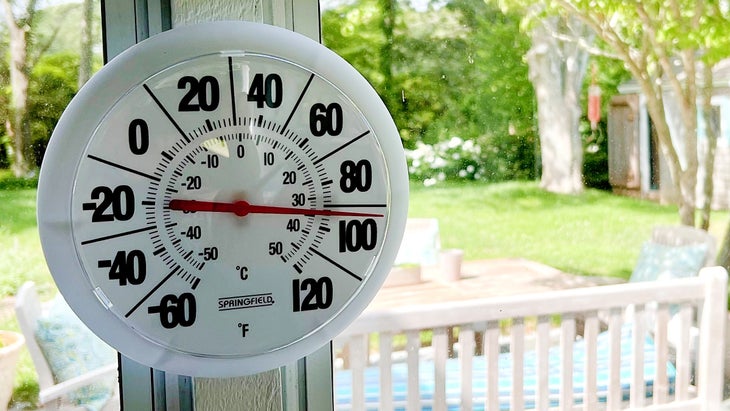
{"x": 222, "y": 199}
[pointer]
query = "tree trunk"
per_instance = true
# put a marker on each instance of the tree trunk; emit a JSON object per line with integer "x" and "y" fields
{"x": 690, "y": 163}
{"x": 682, "y": 170}
{"x": 680, "y": 111}
{"x": 712, "y": 129}
{"x": 86, "y": 42}
{"x": 18, "y": 125}
{"x": 556, "y": 69}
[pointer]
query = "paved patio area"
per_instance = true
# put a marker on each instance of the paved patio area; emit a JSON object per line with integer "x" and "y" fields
{"x": 479, "y": 279}
{"x": 482, "y": 279}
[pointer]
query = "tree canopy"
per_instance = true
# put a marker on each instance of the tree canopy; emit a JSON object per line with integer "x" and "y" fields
{"x": 664, "y": 43}
{"x": 453, "y": 70}
{"x": 43, "y": 84}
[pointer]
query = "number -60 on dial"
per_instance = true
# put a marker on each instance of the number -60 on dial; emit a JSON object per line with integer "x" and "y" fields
{"x": 222, "y": 199}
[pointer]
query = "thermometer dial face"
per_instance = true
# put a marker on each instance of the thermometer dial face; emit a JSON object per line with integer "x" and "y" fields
{"x": 225, "y": 206}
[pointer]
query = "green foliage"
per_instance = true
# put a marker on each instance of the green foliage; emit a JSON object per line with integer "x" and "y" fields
{"x": 349, "y": 30}
{"x": 454, "y": 71}
{"x": 648, "y": 35}
{"x": 10, "y": 182}
{"x": 4, "y": 99}
{"x": 455, "y": 159}
{"x": 53, "y": 84}
{"x": 595, "y": 155}
{"x": 511, "y": 157}
{"x": 506, "y": 158}
{"x": 68, "y": 38}
{"x": 55, "y": 43}
{"x": 488, "y": 79}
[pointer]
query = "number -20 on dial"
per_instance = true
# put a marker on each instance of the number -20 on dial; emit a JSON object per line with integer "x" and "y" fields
{"x": 222, "y": 199}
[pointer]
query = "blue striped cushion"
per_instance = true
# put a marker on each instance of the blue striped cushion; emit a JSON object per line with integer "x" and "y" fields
{"x": 343, "y": 378}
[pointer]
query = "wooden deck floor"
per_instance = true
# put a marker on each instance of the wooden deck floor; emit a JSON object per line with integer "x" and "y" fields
{"x": 482, "y": 279}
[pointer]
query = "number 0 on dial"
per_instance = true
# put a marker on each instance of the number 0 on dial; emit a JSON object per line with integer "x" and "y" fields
{"x": 222, "y": 199}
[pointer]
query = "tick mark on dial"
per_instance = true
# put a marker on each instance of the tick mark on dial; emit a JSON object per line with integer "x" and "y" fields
{"x": 299, "y": 100}
{"x": 233, "y": 90}
{"x": 166, "y": 113}
{"x": 336, "y": 264}
{"x": 354, "y": 205}
{"x": 117, "y": 235}
{"x": 152, "y": 291}
{"x": 125, "y": 168}
{"x": 335, "y": 151}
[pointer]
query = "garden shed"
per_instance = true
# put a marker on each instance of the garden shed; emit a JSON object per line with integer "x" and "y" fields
{"x": 635, "y": 163}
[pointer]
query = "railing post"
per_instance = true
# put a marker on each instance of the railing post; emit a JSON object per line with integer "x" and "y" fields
{"x": 712, "y": 338}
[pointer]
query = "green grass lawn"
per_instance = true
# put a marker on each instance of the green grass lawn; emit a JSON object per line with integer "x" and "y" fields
{"x": 21, "y": 258}
{"x": 596, "y": 233}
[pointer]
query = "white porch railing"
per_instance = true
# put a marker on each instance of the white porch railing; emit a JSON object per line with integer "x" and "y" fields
{"x": 653, "y": 345}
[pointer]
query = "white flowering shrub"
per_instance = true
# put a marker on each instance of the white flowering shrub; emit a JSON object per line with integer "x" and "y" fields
{"x": 454, "y": 159}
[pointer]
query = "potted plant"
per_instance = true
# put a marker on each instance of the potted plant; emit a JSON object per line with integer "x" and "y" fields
{"x": 10, "y": 346}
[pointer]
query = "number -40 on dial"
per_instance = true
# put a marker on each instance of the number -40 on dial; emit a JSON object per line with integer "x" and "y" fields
{"x": 222, "y": 199}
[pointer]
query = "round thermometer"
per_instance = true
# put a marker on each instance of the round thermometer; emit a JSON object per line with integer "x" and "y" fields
{"x": 222, "y": 199}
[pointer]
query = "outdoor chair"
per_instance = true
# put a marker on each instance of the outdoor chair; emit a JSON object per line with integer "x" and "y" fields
{"x": 76, "y": 370}
{"x": 674, "y": 251}
{"x": 682, "y": 235}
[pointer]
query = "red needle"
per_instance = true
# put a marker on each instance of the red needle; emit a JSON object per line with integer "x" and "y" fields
{"x": 243, "y": 208}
